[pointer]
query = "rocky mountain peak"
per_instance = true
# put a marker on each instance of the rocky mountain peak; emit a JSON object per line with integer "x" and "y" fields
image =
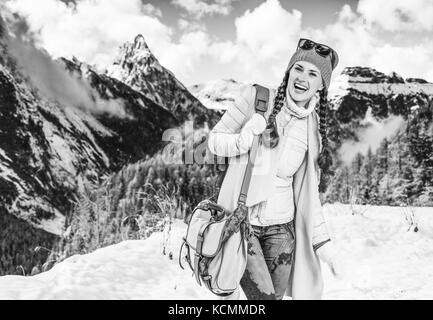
{"x": 366, "y": 73}
{"x": 134, "y": 53}
{"x": 370, "y": 75}
{"x": 393, "y": 77}
{"x": 416, "y": 80}
{"x": 136, "y": 66}
{"x": 139, "y": 42}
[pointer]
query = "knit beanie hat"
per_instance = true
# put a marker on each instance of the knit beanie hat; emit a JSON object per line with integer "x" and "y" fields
{"x": 324, "y": 64}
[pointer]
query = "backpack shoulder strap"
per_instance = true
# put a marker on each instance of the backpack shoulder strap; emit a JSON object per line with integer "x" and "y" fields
{"x": 261, "y": 105}
{"x": 262, "y": 99}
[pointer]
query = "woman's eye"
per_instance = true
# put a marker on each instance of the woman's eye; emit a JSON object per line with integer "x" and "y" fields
{"x": 298, "y": 69}
{"x": 313, "y": 74}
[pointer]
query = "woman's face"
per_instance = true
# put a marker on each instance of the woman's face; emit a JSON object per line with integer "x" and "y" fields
{"x": 305, "y": 80}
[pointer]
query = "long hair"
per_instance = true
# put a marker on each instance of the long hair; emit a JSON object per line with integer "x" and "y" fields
{"x": 325, "y": 158}
{"x": 271, "y": 137}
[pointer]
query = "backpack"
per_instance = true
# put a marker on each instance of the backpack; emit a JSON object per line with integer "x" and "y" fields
{"x": 216, "y": 238}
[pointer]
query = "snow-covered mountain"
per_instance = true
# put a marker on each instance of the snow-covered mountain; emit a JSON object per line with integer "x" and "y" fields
{"x": 357, "y": 89}
{"x": 137, "y": 67}
{"x": 47, "y": 145}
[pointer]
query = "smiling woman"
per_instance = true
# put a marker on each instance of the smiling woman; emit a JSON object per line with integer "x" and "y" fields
{"x": 304, "y": 82}
{"x": 289, "y": 232}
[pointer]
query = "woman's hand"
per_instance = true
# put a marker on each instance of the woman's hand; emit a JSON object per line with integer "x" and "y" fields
{"x": 328, "y": 253}
{"x": 230, "y": 141}
{"x": 255, "y": 126}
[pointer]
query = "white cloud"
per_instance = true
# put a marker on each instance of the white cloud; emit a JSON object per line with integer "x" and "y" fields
{"x": 91, "y": 30}
{"x": 150, "y": 9}
{"x": 260, "y": 52}
{"x": 269, "y": 30}
{"x": 265, "y": 37}
{"x": 412, "y": 61}
{"x": 360, "y": 43}
{"x": 370, "y": 137}
{"x": 398, "y": 15}
{"x": 190, "y": 25}
{"x": 199, "y": 8}
{"x": 51, "y": 78}
{"x": 184, "y": 56}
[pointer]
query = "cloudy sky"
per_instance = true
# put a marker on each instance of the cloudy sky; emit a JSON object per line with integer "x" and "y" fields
{"x": 246, "y": 40}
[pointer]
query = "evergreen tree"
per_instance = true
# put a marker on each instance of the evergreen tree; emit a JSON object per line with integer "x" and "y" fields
{"x": 366, "y": 178}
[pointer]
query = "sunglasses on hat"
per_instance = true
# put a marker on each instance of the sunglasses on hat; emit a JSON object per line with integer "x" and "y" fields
{"x": 321, "y": 49}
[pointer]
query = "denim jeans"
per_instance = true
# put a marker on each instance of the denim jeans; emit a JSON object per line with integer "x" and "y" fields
{"x": 269, "y": 262}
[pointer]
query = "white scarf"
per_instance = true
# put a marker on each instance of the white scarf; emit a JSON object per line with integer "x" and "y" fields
{"x": 293, "y": 109}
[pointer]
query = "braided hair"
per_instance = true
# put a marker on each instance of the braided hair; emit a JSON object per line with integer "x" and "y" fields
{"x": 271, "y": 137}
{"x": 325, "y": 158}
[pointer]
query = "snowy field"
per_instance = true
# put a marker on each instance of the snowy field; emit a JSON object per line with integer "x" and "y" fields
{"x": 384, "y": 257}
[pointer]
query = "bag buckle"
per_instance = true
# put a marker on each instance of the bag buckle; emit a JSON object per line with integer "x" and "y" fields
{"x": 261, "y": 105}
{"x": 242, "y": 199}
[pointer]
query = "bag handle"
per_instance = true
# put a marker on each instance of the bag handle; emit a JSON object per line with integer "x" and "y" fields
{"x": 261, "y": 106}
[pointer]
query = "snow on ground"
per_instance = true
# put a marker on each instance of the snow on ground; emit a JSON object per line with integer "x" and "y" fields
{"x": 383, "y": 258}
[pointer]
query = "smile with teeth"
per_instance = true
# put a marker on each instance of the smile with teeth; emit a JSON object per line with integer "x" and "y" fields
{"x": 300, "y": 87}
